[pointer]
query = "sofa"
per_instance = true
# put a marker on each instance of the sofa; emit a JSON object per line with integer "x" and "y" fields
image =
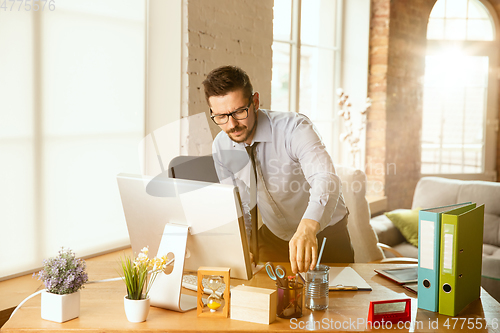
{"x": 435, "y": 191}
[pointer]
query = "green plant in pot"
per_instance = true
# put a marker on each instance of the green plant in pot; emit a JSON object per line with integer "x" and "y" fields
{"x": 139, "y": 275}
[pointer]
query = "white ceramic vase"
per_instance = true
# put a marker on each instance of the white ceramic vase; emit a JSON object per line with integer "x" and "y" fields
{"x": 136, "y": 310}
{"x": 60, "y": 308}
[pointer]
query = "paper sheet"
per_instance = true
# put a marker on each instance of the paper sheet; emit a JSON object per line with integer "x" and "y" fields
{"x": 341, "y": 278}
{"x": 345, "y": 278}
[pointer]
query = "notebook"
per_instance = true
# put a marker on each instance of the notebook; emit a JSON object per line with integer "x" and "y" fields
{"x": 413, "y": 287}
{"x": 400, "y": 275}
{"x": 405, "y": 276}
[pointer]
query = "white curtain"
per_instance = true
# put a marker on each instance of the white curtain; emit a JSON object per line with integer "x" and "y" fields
{"x": 71, "y": 119}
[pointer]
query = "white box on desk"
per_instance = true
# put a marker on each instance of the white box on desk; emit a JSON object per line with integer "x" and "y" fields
{"x": 256, "y": 305}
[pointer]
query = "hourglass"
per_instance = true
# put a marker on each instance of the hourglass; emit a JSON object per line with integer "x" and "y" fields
{"x": 214, "y": 301}
{"x": 216, "y": 276}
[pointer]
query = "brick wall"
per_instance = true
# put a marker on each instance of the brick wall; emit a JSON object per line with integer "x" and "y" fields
{"x": 227, "y": 32}
{"x": 407, "y": 36}
{"x": 377, "y": 91}
{"x": 397, "y": 49}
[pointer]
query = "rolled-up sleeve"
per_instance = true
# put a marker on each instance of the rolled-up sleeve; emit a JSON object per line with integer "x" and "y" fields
{"x": 306, "y": 148}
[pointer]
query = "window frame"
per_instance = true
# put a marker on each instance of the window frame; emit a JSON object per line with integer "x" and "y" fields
{"x": 295, "y": 45}
{"x": 490, "y": 134}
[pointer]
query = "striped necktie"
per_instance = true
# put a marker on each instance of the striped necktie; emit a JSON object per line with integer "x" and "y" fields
{"x": 254, "y": 242}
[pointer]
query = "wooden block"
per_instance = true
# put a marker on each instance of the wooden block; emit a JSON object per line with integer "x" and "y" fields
{"x": 256, "y": 305}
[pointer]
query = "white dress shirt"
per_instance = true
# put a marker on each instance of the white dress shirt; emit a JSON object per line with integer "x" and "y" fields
{"x": 297, "y": 171}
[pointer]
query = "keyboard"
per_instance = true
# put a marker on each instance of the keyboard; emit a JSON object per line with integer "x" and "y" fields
{"x": 191, "y": 282}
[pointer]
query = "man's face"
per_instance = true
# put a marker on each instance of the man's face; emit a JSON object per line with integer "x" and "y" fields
{"x": 238, "y": 130}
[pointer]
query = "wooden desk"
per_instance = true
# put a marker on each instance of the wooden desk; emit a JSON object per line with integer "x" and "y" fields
{"x": 102, "y": 310}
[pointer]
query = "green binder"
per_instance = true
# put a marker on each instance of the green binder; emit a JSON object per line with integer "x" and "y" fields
{"x": 460, "y": 259}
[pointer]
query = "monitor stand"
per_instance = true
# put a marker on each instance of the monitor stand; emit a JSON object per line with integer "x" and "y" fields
{"x": 166, "y": 289}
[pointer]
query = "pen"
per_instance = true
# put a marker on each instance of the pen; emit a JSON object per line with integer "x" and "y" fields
{"x": 333, "y": 288}
{"x": 301, "y": 278}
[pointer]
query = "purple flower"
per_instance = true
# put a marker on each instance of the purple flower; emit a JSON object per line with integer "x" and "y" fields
{"x": 63, "y": 274}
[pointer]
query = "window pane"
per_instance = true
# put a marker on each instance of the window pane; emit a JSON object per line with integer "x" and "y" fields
{"x": 479, "y": 30}
{"x": 432, "y": 106}
{"x": 477, "y": 10}
{"x": 475, "y": 108}
{"x": 456, "y": 9}
{"x": 59, "y": 185}
{"x": 476, "y": 71}
{"x": 430, "y": 159}
{"x": 16, "y": 75}
{"x": 318, "y": 23}
{"x": 464, "y": 20}
{"x": 80, "y": 190}
{"x": 317, "y": 95}
{"x": 315, "y": 50}
{"x": 108, "y": 8}
{"x": 438, "y": 11}
{"x": 454, "y": 110}
{"x": 18, "y": 186}
{"x": 93, "y": 122}
{"x": 280, "y": 84}
{"x": 91, "y": 90}
{"x": 455, "y": 29}
{"x": 473, "y": 160}
{"x": 451, "y": 160}
{"x": 282, "y": 21}
{"x": 435, "y": 29}
{"x": 317, "y": 90}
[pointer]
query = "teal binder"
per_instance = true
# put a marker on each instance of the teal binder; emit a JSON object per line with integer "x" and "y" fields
{"x": 429, "y": 239}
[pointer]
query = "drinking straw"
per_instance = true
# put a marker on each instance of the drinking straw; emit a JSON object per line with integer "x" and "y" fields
{"x": 321, "y": 252}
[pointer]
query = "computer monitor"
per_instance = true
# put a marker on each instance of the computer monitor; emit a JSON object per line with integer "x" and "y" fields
{"x": 199, "y": 223}
{"x": 213, "y": 212}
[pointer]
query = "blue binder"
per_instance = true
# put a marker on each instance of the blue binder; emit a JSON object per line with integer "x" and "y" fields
{"x": 429, "y": 239}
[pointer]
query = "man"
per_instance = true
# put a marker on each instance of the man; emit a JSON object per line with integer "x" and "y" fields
{"x": 298, "y": 193}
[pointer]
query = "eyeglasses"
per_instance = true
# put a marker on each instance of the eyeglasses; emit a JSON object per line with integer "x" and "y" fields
{"x": 239, "y": 114}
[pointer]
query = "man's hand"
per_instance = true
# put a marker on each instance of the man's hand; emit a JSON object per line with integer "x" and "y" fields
{"x": 304, "y": 246}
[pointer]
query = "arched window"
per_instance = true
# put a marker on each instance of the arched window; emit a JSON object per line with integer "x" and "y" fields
{"x": 459, "y": 108}
{"x": 460, "y": 20}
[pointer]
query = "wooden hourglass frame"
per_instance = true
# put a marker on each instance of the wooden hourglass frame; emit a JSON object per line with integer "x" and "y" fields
{"x": 222, "y": 271}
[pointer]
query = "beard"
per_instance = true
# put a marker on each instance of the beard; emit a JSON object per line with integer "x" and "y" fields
{"x": 245, "y": 135}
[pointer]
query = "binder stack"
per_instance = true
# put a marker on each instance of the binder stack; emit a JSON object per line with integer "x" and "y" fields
{"x": 450, "y": 240}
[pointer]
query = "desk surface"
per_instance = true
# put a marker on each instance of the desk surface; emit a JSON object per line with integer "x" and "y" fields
{"x": 102, "y": 310}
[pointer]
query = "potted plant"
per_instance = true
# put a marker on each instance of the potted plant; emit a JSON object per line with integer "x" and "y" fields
{"x": 63, "y": 277}
{"x": 139, "y": 275}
